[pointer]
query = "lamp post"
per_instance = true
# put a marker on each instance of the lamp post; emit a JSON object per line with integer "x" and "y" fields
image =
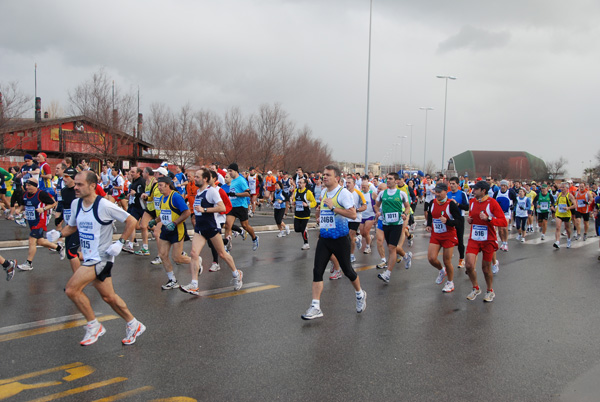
{"x": 368, "y": 92}
{"x": 402, "y": 137}
{"x": 446, "y": 77}
{"x": 426, "y": 109}
{"x": 410, "y": 158}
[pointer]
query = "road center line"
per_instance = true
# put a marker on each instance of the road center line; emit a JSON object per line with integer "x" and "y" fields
{"x": 41, "y": 323}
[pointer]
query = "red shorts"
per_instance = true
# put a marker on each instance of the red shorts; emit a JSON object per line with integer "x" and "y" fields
{"x": 444, "y": 241}
{"x": 487, "y": 248}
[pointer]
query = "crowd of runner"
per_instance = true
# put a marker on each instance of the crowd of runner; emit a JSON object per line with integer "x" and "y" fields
{"x": 354, "y": 214}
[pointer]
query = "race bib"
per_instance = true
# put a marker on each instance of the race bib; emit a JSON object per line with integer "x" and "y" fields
{"x": 58, "y": 194}
{"x": 562, "y": 208}
{"x": 115, "y": 192}
{"x": 165, "y": 216}
{"x": 544, "y": 206}
{"x": 327, "y": 219}
{"x": 299, "y": 206}
{"x": 581, "y": 204}
{"x": 30, "y": 213}
{"x": 439, "y": 227}
{"x": 197, "y": 202}
{"x": 67, "y": 214}
{"x": 479, "y": 233}
{"x": 87, "y": 242}
{"x": 391, "y": 217}
{"x": 252, "y": 188}
{"x": 131, "y": 199}
{"x": 156, "y": 203}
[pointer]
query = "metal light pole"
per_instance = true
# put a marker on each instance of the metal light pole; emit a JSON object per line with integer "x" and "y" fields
{"x": 426, "y": 109}
{"x": 411, "y": 126}
{"x": 402, "y": 150}
{"x": 368, "y": 92}
{"x": 446, "y": 77}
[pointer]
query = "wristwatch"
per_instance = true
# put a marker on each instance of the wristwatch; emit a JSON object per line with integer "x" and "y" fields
{"x": 205, "y": 209}
{"x": 489, "y": 218}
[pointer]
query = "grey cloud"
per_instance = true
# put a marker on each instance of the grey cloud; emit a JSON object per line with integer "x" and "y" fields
{"x": 475, "y": 39}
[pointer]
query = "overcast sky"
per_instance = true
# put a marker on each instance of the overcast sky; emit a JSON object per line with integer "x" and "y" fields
{"x": 527, "y": 70}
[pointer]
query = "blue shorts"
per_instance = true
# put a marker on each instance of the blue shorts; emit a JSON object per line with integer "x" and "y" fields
{"x": 367, "y": 219}
{"x": 135, "y": 212}
{"x": 379, "y": 224}
{"x": 37, "y": 233}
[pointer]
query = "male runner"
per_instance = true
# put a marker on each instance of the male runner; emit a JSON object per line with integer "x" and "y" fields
{"x": 334, "y": 211}
{"x": 484, "y": 214}
{"x": 92, "y": 216}
{"x": 461, "y": 199}
{"x": 303, "y": 200}
{"x": 238, "y": 194}
{"x": 543, "y": 203}
{"x": 565, "y": 204}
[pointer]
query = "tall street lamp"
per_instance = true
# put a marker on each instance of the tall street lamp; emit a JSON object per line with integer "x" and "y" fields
{"x": 426, "y": 109}
{"x": 446, "y": 77}
{"x": 411, "y": 126}
{"x": 402, "y": 150}
{"x": 368, "y": 91}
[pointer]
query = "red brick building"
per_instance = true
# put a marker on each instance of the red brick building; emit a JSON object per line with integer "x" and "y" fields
{"x": 78, "y": 137}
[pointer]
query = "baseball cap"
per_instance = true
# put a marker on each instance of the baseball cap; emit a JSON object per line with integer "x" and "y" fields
{"x": 544, "y": 185}
{"x": 504, "y": 182}
{"x": 441, "y": 187}
{"x": 164, "y": 164}
{"x": 165, "y": 179}
{"x": 162, "y": 171}
{"x": 28, "y": 157}
{"x": 269, "y": 172}
{"x": 43, "y": 154}
{"x": 482, "y": 185}
{"x": 70, "y": 172}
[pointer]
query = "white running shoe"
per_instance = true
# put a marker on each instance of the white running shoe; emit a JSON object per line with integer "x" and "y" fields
{"x": 367, "y": 249}
{"x": 281, "y": 233}
{"x": 496, "y": 267}
{"x": 190, "y": 288}
{"x": 156, "y": 261}
{"x": 10, "y": 271}
{"x": 305, "y": 246}
{"x": 26, "y": 266}
{"x": 408, "y": 258}
{"x": 441, "y": 276}
{"x": 489, "y": 296}
{"x": 312, "y": 313}
{"x": 92, "y": 333}
{"x": 358, "y": 242}
{"x": 287, "y": 229}
{"x": 352, "y": 258}
{"x": 361, "y": 303}
{"x": 238, "y": 280}
{"x": 543, "y": 237}
{"x": 337, "y": 274}
{"x": 568, "y": 243}
{"x": 214, "y": 267}
{"x": 474, "y": 293}
{"x": 448, "y": 287}
{"x": 132, "y": 332}
{"x": 556, "y": 245}
{"x": 523, "y": 239}
{"x": 63, "y": 252}
{"x": 170, "y": 285}
{"x": 255, "y": 244}
{"x": 384, "y": 276}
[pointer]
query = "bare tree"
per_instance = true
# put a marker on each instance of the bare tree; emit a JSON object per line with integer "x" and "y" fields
{"x": 210, "y": 128}
{"x": 557, "y": 168}
{"x": 157, "y": 124}
{"x": 270, "y": 123}
{"x": 54, "y": 110}
{"x": 14, "y": 104}
{"x": 180, "y": 139}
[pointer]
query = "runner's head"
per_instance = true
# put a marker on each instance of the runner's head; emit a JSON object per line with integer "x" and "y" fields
{"x": 391, "y": 180}
{"x": 331, "y": 176}
{"x": 147, "y": 173}
{"x": 504, "y": 185}
{"x": 214, "y": 178}
{"x": 480, "y": 189}
{"x": 60, "y": 169}
{"x": 202, "y": 177}
{"x": 31, "y": 185}
{"x": 454, "y": 184}
{"x": 364, "y": 186}
{"x": 69, "y": 177}
{"x": 441, "y": 191}
{"x": 233, "y": 170}
{"x": 350, "y": 183}
{"x": 544, "y": 189}
{"x": 85, "y": 184}
{"x": 165, "y": 185}
{"x": 302, "y": 183}
{"x": 28, "y": 160}
{"x": 522, "y": 192}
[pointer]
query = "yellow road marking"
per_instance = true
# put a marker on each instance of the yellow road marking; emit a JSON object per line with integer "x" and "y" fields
{"x": 242, "y": 292}
{"x": 125, "y": 394}
{"x": 51, "y": 328}
{"x": 79, "y": 390}
{"x": 41, "y": 372}
{"x": 364, "y": 268}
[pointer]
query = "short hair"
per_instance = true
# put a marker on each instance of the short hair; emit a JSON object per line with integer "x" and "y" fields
{"x": 336, "y": 170}
{"x": 351, "y": 178}
{"x": 149, "y": 170}
{"x": 205, "y": 174}
{"x": 89, "y": 176}
{"x": 69, "y": 160}
{"x": 455, "y": 179}
{"x": 62, "y": 165}
{"x": 394, "y": 175}
{"x": 213, "y": 174}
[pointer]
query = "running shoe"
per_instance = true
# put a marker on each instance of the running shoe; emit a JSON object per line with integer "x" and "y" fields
{"x": 190, "y": 288}
{"x": 352, "y": 258}
{"x": 251, "y": 214}
{"x": 441, "y": 276}
{"x": 361, "y": 303}
{"x": 367, "y": 249}
{"x": 568, "y": 243}
{"x": 461, "y": 263}
{"x": 26, "y": 266}
{"x": 312, "y": 313}
{"x": 411, "y": 240}
{"x": 584, "y": 236}
{"x": 287, "y": 229}
{"x": 358, "y": 242}
{"x": 229, "y": 244}
{"x": 518, "y": 237}
{"x": 170, "y": 285}
{"x": 156, "y": 261}
{"x": 92, "y": 333}
{"x": 337, "y": 274}
{"x": 556, "y": 245}
{"x": 474, "y": 293}
{"x": 332, "y": 267}
{"x": 128, "y": 249}
{"x": 408, "y": 258}
{"x": 523, "y": 239}
{"x": 281, "y": 234}
{"x": 63, "y": 252}
{"x": 21, "y": 222}
{"x": 255, "y": 244}
{"x": 384, "y": 276}
{"x": 132, "y": 332}
{"x": 244, "y": 234}
{"x": 10, "y": 271}
{"x": 496, "y": 267}
{"x": 305, "y": 246}
{"x": 489, "y": 296}
{"x": 214, "y": 267}
{"x": 382, "y": 264}
{"x": 238, "y": 280}
{"x": 201, "y": 268}
{"x": 577, "y": 237}
{"x": 543, "y": 237}
{"x": 448, "y": 287}
{"x": 143, "y": 251}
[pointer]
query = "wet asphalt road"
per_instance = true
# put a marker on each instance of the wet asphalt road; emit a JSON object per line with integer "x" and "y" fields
{"x": 535, "y": 342}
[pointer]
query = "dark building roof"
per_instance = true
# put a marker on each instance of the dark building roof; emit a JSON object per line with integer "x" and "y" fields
{"x": 499, "y": 164}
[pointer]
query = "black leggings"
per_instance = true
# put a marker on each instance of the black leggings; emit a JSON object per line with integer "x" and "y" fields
{"x": 338, "y": 247}
{"x": 278, "y": 213}
{"x": 459, "y": 224}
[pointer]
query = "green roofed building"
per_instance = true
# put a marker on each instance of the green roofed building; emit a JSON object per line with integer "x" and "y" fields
{"x": 499, "y": 164}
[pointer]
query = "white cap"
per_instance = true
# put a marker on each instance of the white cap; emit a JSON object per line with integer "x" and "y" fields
{"x": 161, "y": 170}
{"x": 164, "y": 164}
{"x": 269, "y": 172}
